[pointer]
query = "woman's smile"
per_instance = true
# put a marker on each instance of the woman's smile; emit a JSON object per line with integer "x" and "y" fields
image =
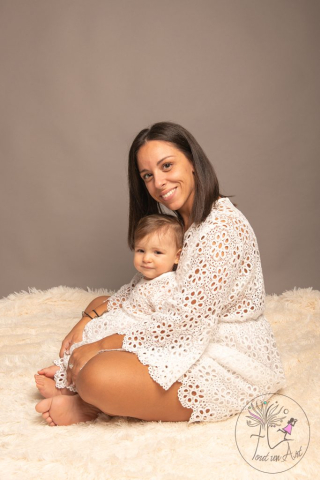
{"x": 169, "y": 194}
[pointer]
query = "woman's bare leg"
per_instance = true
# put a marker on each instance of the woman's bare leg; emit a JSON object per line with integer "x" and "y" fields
{"x": 118, "y": 384}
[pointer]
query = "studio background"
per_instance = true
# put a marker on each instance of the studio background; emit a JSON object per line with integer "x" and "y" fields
{"x": 79, "y": 80}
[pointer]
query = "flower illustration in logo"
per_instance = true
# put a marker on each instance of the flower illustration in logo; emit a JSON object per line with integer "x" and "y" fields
{"x": 272, "y": 451}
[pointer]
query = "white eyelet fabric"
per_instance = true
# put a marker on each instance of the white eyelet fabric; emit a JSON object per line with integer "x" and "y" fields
{"x": 203, "y": 325}
{"x": 128, "y": 308}
{"x": 211, "y": 335}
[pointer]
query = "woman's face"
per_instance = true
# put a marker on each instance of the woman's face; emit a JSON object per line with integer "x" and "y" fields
{"x": 167, "y": 174}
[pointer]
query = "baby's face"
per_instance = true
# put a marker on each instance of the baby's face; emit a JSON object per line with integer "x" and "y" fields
{"x": 156, "y": 254}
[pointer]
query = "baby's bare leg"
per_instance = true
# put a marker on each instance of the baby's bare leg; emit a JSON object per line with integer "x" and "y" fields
{"x": 44, "y": 379}
{"x": 48, "y": 371}
{"x": 46, "y": 385}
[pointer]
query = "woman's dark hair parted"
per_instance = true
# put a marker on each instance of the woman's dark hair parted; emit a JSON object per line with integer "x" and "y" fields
{"x": 206, "y": 182}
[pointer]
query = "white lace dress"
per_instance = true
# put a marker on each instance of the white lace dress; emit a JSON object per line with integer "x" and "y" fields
{"x": 129, "y": 307}
{"x": 211, "y": 334}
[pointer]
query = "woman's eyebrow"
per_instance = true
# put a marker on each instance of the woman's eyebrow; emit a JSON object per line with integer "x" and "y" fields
{"x": 164, "y": 158}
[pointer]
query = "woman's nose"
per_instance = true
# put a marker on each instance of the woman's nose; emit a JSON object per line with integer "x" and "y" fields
{"x": 159, "y": 179}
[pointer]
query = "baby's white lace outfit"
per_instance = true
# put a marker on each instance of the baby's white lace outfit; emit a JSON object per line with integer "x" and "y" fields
{"x": 211, "y": 334}
{"x": 129, "y": 307}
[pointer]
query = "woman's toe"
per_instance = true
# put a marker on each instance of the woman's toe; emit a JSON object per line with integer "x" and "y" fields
{"x": 47, "y": 418}
{"x": 44, "y": 406}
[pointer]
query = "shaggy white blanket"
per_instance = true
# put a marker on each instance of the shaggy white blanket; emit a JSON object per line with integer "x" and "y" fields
{"x": 32, "y": 326}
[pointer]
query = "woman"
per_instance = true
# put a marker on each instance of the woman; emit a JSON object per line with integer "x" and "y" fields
{"x": 211, "y": 350}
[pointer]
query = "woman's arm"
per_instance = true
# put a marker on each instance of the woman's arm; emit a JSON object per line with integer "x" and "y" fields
{"x": 75, "y": 335}
{"x": 114, "y": 302}
{"x": 83, "y": 354}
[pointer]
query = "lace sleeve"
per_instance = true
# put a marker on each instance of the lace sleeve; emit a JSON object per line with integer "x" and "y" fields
{"x": 164, "y": 290}
{"x": 116, "y": 300}
{"x": 182, "y": 327}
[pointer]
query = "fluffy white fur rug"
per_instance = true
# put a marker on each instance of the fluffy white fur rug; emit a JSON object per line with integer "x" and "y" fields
{"x": 32, "y": 327}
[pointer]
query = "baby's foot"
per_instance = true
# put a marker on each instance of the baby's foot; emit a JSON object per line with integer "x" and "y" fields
{"x": 47, "y": 387}
{"x": 65, "y": 410}
{"x": 49, "y": 371}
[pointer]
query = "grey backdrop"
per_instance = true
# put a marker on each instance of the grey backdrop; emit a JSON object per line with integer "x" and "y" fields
{"x": 79, "y": 80}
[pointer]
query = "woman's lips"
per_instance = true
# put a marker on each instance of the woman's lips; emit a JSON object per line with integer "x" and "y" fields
{"x": 170, "y": 196}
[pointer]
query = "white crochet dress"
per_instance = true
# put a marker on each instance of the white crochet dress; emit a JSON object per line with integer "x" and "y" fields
{"x": 129, "y": 307}
{"x": 211, "y": 334}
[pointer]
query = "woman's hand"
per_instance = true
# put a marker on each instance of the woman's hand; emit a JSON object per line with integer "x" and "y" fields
{"x": 74, "y": 336}
{"x": 79, "y": 358}
{"x": 98, "y": 306}
{"x": 81, "y": 355}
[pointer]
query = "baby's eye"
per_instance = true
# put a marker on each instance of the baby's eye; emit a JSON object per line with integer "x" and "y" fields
{"x": 139, "y": 250}
{"x": 159, "y": 253}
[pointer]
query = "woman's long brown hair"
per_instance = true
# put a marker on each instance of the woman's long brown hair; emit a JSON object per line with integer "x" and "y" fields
{"x": 206, "y": 182}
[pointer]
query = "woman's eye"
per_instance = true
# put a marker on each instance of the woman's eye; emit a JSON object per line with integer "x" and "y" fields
{"x": 167, "y": 165}
{"x": 146, "y": 176}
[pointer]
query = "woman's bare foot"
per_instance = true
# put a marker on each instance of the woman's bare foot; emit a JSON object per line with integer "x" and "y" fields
{"x": 65, "y": 410}
{"x": 49, "y": 371}
{"x": 47, "y": 387}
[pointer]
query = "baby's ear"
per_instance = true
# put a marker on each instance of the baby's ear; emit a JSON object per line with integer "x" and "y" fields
{"x": 178, "y": 255}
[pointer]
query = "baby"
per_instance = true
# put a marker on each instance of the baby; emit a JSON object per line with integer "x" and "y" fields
{"x": 158, "y": 242}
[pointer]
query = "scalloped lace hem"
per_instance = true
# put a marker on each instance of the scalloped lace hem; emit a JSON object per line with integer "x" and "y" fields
{"x": 222, "y": 408}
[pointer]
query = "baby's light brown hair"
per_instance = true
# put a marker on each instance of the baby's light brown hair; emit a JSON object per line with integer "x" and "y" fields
{"x": 163, "y": 223}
